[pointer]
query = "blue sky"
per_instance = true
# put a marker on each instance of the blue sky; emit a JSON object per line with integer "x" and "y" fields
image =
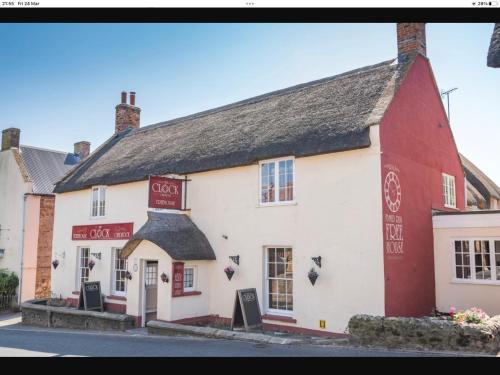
{"x": 61, "y": 82}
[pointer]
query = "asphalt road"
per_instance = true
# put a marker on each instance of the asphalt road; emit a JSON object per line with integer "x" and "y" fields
{"x": 19, "y": 340}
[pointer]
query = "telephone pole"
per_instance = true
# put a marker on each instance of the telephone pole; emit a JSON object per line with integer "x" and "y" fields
{"x": 447, "y": 93}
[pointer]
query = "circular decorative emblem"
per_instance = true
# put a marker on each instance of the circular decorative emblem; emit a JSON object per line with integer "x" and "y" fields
{"x": 392, "y": 191}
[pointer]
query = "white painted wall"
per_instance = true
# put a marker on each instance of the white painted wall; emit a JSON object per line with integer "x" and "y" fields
{"x": 463, "y": 294}
{"x": 338, "y": 215}
{"x": 12, "y": 190}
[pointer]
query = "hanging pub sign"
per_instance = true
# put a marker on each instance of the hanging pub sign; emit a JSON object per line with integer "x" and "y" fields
{"x": 90, "y": 296}
{"x": 246, "y": 310}
{"x": 165, "y": 193}
{"x": 120, "y": 231}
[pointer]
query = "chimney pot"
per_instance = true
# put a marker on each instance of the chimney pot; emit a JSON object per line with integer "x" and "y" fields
{"x": 411, "y": 40}
{"x": 10, "y": 138}
{"x": 124, "y": 97}
{"x": 82, "y": 149}
{"x": 132, "y": 98}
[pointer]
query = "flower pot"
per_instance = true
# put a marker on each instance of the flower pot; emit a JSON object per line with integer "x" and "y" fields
{"x": 229, "y": 274}
{"x": 55, "y": 263}
{"x": 313, "y": 275}
{"x": 91, "y": 264}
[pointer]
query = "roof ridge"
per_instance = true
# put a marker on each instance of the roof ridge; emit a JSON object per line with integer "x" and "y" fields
{"x": 46, "y": 149}
{"x": 259, "y": 98}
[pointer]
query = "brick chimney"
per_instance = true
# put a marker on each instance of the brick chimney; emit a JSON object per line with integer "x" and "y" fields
{"x": 10, "y": 138}
{"x": 82, "y": 149}
{"x": 411, "y": 39}
{"x": 127, "y": 115}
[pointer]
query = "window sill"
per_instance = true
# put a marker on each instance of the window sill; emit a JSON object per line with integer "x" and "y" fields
{"x": 185, "y": 294}
{"x": 279, "y": 318}
{"x": 76, "y": 293}
{"x": 117, "y": 297}
{"x": 277, "y": 204}
{"x": 476, "y": 282}
{"x": 451, "y": 207}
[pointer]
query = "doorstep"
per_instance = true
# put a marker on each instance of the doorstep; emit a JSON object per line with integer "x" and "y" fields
{"x": 165, "y": 328}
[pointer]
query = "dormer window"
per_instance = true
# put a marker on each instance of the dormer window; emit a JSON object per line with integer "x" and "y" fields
{"x": 98, "y": 202}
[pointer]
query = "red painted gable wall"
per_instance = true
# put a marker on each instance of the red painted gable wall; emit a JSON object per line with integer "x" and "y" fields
{"x": 417, "y": 146}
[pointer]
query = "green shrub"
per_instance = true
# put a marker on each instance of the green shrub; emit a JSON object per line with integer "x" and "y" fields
{"x": 8, "y": 282}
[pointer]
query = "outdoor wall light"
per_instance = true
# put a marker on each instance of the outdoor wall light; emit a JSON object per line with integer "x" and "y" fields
{"x": 313, "y": 275}
{"x": 97, "y": 255}
{"x": 55, "y": 263}
{"x": 229, "y": 272}
{"x": 128, "y": 275}
{"x": 235, "y": 259}
{"x": 164, "y": 277}
{"x": 317, "y": 260}
{"x": 91, "y": 264}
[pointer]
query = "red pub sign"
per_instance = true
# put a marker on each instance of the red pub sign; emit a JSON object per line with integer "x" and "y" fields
{"x": 120, "y": 231}
{"x": 178, "y": 279}
{"x": 165, "y": 192}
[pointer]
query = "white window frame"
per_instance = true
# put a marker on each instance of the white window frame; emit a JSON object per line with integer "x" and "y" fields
{"x": 99, "y": 189}
{"x": 449, "y": 201}
{"x": 277, "y": 202}
{"x": 268, "y": 310}
{"x": 193, "y": 288}
{"x": 78, "y": 265}
{"x": 115, "y": 292}
{"x": 473, "y": 279}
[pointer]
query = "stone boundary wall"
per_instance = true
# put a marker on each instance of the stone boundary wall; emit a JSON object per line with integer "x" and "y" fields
{"x": 37, "y": 313}
{"x": 426, "y": 333}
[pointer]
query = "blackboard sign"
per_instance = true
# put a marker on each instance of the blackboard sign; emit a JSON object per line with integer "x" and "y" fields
{"x": 90, "y": 296}
{"x": 246, "y": 310}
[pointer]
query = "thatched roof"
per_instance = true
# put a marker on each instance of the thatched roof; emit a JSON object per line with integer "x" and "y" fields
{"x": 176, "y": 234}
{"x": 494, "y": 51}
{"x": 323, "y": 116}
{"x": 482, "y": 183}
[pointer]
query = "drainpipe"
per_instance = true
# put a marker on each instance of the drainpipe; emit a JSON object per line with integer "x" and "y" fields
{"x": 22, "y": 251}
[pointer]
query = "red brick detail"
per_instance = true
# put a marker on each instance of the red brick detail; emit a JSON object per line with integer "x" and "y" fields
{"x": 73, "y": 302}
{"x": 127, "y": 116}
{"x": 44, "y": 248}
{"x": 411, "y": 38}
{"x": 279, "y": 318}
{"x": 118, "y": 298}
{"x": 138, "y": 321}
{"x": 115, "y": 307}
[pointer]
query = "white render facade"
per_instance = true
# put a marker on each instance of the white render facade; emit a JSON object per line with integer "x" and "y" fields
{"x": 336, "y": 213}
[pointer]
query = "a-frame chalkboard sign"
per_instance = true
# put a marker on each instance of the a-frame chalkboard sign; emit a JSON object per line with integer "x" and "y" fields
{"x": 90, "y": 296}
{"x": 246, "y": 310}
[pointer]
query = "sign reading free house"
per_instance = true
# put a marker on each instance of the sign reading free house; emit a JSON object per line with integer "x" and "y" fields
{"x": 120, "y": 231}
{"x": 165, "y": 192}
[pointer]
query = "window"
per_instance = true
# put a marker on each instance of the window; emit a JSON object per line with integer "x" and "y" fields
{"x": 188, "y": 279}
{"x": 98, "y": 201}
{"x": 449, "y": 196}
{"x": 477, "y": 260}
{"x": 277, "y": 181}
{"x": 279, "y": 274}
{"x": 151, "y": 274}
{"x": 119, "y": 270}
{"x": 83, "y": 265}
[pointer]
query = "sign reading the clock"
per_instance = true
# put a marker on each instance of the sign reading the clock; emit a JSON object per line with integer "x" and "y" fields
{"x": 165, "y": 193}
{"x": 393, "y": 223}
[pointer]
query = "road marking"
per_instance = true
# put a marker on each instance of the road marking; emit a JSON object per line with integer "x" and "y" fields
{"x": 15, "y": 352}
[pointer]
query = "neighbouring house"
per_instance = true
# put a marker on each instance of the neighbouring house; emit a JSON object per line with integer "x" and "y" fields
{"x": 482, "y": 192}
{"x": 27, "y": 177}
{"x": 494, "y": 50}
{"x": 467, "y": 260}
{"x": 339, "y": 176}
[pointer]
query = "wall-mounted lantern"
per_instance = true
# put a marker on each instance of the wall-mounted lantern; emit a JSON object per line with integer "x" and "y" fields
{"x": 164, "y": 277}
{"x": 235, "y": 259}
{"x": 229, "y": 272}
{"x": 55, "y": 263}
{"x": 313, "y": 275}
{"x": 97, "y": 255}
{"x": 317, "y": 260}
{"x": 128, "y": 275}
{"x": 91, "y": 264}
